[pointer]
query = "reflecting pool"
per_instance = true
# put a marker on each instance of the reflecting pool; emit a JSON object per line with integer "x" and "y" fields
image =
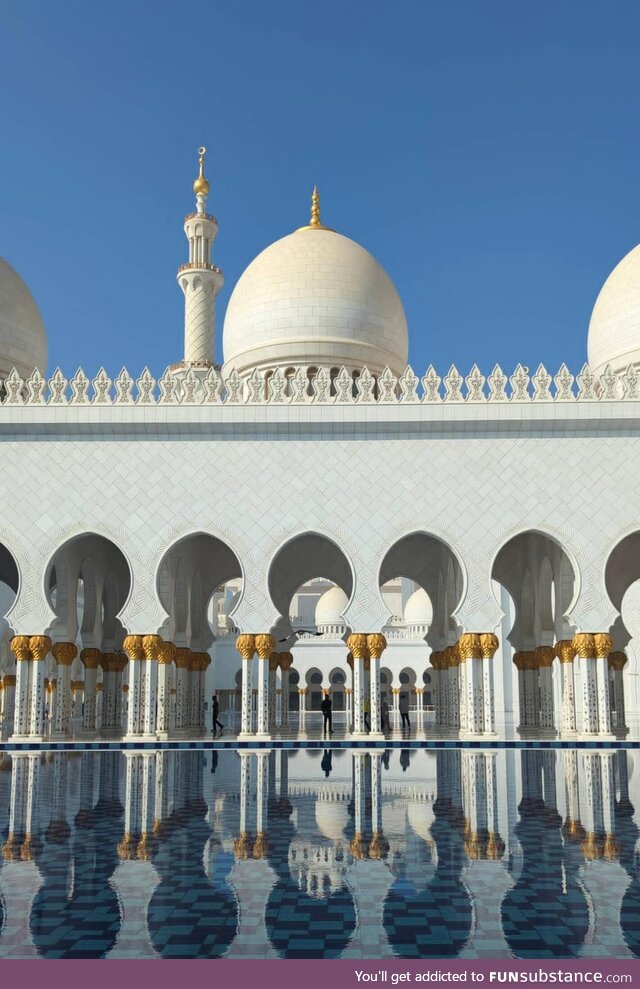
{"x": 308, "y": 853}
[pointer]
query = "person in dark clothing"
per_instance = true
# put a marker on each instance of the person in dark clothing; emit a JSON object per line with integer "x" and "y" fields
{"x": 215, "y": 707}
{"x": 325, "y": 707}
{"x": 214, "y": 761}
{"x": 326, "y": 763}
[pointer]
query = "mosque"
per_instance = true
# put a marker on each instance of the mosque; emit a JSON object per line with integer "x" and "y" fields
{"x": 315, "y": 517}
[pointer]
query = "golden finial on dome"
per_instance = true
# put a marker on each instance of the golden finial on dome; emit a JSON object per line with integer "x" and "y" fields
{"x": 315, "y": 223}
{"x": 201, "y": 185}
{"x": 315, "y": 208}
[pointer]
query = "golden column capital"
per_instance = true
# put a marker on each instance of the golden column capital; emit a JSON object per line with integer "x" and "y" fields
{"x": 396, "y": 690}
{"x": 436, "y": 659}
{"x": 617, "y": 661}
{"x": 565, "y": 650}
{"x": 64, "y": 653}
{"x": 520, "y": 660}
{"x": 9, "y": 680}
{"x": 99, "y": 687}
{"x": 545, "y": 656}
{"x": 167, "y": 653}
{"x": 469, "y": 646}
{"x": 286, "y": 660}
{"x": 151, "y": 646}
{"x": 91, "y": 658}
{"x": 39, "y": 646}
{"x": 20, "y": 648}
{"x": 274, "y": 662}
{"x": 357, "y": 645}
{"x": 265, "y": 645}
{"x": 376, "y": 644}
{"x": 584, "y": 645}
{"x": 246, "y": 646}
{"x": 489, "y": 643}
{"x": 77, "y": 685}
{"x": 132, "y": 645}
{"x": 202, "y": 661}
{"x": 183, "y": 658}
{"x": 302, "y": 690}
{"x": 603, "y": 643}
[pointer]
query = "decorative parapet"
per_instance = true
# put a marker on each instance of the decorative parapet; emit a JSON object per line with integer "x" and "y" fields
{"x": 320, "y": 386}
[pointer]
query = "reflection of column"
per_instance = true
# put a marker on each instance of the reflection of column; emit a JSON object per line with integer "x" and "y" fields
{"x": 246, "y": 646}
{"x": 376, "y": 644}
{"x": 617, "y": 661}
{"x": 566, "y": 652}
{"x": 91, "y": 661}
{"x": 544, "y": 659}
{"x": 265, "y": 646}
{"x": 358, "y": 844}
{"x": 242, "y": 844}
{"x": 357, "y": 645}
{"x": 64, "y": 654}
{"x": 134, "y": 650}
{"x": 572, "y": 826}
{"x": 40, "y": 647}
{"x": 262, "y": 795}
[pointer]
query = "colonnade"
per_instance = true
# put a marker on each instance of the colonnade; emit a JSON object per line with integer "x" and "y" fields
{"x": 165, "y": 694}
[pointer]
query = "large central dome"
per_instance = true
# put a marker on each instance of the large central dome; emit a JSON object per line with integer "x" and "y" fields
{"x": 315, "y": 298}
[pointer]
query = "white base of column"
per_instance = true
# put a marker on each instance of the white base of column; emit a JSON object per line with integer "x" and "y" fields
{"x": 26, "y": 738}
{"x": 620, "y": 732}
{"x": 60, "y": 736}
{"x": 547, "y": 733}
{"x": 376, "y": 736}
{"x": 361, "y": 734}
{"x": 262, "y": 736}
{"x": 568, "y": 733}
{"x": 245, "y": 736}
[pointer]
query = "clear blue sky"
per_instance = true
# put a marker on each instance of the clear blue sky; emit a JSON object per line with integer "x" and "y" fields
{"x": 487, "y": 153}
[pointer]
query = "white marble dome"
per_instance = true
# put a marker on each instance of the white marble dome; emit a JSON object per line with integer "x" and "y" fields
{"x": 23, "y": 341}
{"x": 315, "y": 298}
{"x": 614, "y": 330}
{"x": 331, "y": 606}
{"x": 418, "y": 610}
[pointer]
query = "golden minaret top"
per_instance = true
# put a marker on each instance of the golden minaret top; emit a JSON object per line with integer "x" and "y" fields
{"x": 201, "y": 185}
{"x": 315, "y": 222}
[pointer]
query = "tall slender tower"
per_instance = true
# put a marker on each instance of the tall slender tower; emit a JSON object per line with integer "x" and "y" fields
{"x": 199, "y": 279}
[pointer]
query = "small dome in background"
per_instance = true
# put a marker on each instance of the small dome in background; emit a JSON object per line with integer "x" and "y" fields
{"x": 331, "y": 606}
{"x": 614, "y": 330}
{"x": 418, "y": 610}
{"x": 23, "y": 341}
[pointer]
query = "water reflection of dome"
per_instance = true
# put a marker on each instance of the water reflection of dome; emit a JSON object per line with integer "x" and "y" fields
{"x": 317, "y": 869}
{"x": 332, "y": 818}
{"x": 420, "y": 817}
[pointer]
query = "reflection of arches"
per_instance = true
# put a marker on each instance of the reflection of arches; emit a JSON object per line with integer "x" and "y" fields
{"x": 303, "y": 558}
{"x": 432, "y": 565}
{"x": 310, "y": 936}
{"x": 190, "y": 571}
{"x": 87, "y": 582}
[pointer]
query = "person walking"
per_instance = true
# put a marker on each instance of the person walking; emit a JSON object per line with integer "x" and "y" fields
{"x": 404, "y": 711}
{"x": 215, "y": 707}
{"x": 367, "y": 714}
{"x": 384, "y": 717}
{"x": 326, "y": 707}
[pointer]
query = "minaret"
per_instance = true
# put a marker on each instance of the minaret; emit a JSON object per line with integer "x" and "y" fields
{"x": 199, "y": 279}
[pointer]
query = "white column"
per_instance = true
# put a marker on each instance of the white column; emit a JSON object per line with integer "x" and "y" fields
{"x": 603, "y": 643}
{"x": 374, "y": 682}
{"x": 395, "y": 693}
{"x": 246, "y": 646}
{"x": 273, "y": 666}
{"x": 545, "y": 656}
{"x": 152, "y": 647}
{"x": 454, "y": 693}
{"x": 9, "y": 703}
{"x": 183, "y": 663}
{"x": 585, "y": 647}
{"x": 133, "y": 648}
{"x": 165, "y": 682}
{"x": 302, "y": 710}
{"x": 565, "y": 652}
{"x": 465, "y": 701}
{"x": 617, "y": 661}
{"x": 265, "y": 645}
{"x": 91, "y": 660}
{"x": 40, "y": 646}
{"x": 284, "y": 684}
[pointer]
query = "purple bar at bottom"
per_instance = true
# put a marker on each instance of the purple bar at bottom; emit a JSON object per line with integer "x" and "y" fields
{"x": 316, "y": 973}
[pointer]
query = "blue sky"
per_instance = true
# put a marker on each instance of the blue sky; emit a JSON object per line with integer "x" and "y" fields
{"x": 488, "y": 154}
